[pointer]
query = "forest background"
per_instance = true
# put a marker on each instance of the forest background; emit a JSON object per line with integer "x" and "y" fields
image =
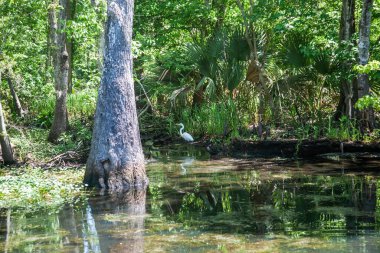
{"x": 226, "y": 69}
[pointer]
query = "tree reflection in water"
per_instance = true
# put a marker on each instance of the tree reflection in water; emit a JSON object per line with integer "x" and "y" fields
{"x": 237, "y": 209}
{"x": 119, "y": 218}
{"x": 90, "y": 235}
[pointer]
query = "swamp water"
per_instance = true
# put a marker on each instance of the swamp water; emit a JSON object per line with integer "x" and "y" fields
{"x": 194, "y": 204}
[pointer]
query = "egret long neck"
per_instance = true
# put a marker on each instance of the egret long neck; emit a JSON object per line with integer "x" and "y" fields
{"x": 181, "y": 130}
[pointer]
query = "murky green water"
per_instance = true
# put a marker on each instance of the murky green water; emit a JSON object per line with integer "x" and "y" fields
{"x": 194, "y": 204}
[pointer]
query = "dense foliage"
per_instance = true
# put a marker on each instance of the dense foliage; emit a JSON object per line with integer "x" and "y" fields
{"x": 224, "y": 68}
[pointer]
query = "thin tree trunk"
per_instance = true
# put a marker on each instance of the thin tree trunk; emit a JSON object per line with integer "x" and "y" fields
{"x": 16, "y": 100}
{"x": 70, "y": 51}
{"x": 256, "y": 70}
{"x": 365, "y": 117}
{"x": 116, "y": 160}
{"x": 61, "y": 68}
{"x": 6, "y": 148}
{"x": 71, "y": 10}
{"x": 48, "y": 63}
{"x": 347, "y": 29}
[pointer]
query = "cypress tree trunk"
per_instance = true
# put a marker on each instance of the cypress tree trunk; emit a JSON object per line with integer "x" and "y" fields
{"x": 365, "y": 117}
{"x": 6, "y": 148}
{"x": 61, "y": 67}
{"x": 116, "y": 160}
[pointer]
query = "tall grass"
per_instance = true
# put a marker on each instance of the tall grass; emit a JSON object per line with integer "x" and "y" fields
{"x": 212, "y": 119}
{"x": 80, "y": 106}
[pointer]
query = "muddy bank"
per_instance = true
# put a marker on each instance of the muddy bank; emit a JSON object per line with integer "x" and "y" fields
{"x": 301, "y": 149}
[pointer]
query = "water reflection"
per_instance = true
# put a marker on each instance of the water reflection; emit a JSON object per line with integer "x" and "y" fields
{"x": 185, "y": 164}
{"x": 287, "y": 206}
{"x": 217, "y": 206}
{"x": 107, "y": 223}
{"x": 68, "y": 223}
{"x": 6, "y": 223}
{"x": 118, "y": 222}
{"x": 90, "y": 235}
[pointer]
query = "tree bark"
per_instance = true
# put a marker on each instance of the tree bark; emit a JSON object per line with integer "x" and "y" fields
{"x": 70, "y": 51}
{"x": 6, "y": 148}
{"x": 347, "y": 29}
{"x": 71, "y": 10}
{"x": 61, "y": 67}
{"x": 365, "y": 117}
{"x": 116, "y": 160}
{"x": 16, "y": 101}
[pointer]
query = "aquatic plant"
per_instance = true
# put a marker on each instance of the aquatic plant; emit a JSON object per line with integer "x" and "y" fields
{"x": 36, "y": 188}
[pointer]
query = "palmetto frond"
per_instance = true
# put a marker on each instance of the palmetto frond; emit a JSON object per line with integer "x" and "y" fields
{"x": 178, "y": 92}
{"x": 325, "y": 63}
{"x": 238, "y": 48}
{"x": 294, "y": 54}
{"x": 233, "y": 73}
{"x": 220, "y": 60}
{"x": 205, "y": 56}
{"x": 210, "y": 88}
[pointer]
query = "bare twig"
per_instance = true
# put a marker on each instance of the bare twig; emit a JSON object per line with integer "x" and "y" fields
{"x": 147, "y": 97}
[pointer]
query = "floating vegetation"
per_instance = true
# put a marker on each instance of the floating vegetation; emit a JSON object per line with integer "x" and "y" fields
{"x": 36, "y": 188}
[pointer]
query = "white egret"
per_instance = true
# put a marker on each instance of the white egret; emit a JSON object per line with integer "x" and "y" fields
{"x": 185, "y": 136}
